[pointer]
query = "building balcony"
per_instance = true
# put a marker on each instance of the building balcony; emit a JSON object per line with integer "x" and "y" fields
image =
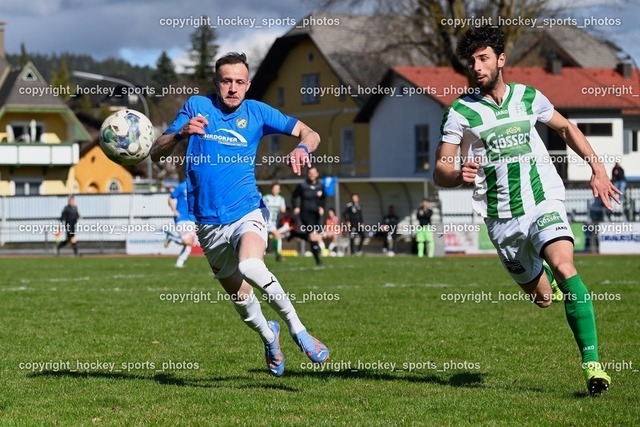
{"x": 39, "y": 154}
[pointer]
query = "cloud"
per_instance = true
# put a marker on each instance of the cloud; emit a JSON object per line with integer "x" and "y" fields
{"x": 128, "y": 29}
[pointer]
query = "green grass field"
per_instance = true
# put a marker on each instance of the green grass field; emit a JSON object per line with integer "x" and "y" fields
{"x": 93, "y": 341}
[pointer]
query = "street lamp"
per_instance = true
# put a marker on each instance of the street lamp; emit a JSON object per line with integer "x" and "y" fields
{"x": 145, "y": 106}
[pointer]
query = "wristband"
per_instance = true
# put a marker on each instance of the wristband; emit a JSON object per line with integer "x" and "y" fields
{"x": 179, "y": 137}
{"x": 304, "y": 147}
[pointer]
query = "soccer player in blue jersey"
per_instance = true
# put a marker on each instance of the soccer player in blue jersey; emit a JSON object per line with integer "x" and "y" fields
{"x": 185, "y": 229}
{"x": 218, "y": 137}
{"x": 517, "y": 188}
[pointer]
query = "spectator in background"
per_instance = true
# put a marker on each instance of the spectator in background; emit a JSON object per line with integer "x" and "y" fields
{"x": 69, "y": 219}
{"x": 424, "y": 236}
{"x": 390, "y": 224}
{"x": 619, "y": 180}
{"x": 332, "y": 230}
{"x": 307, "y": 201}
{"x": 353, "y": 218}
{"x": 276, "y": 205}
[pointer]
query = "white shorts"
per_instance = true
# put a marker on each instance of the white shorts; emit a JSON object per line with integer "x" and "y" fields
{"x": 520, "y": 241}
{"x": 220, "y": 242}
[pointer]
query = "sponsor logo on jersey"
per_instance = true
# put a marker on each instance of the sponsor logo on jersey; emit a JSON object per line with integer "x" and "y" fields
{"x": 549, "y": 219}
{"x": 500, "y": 113}
{"x": 520, "y": 108}
{"x": 507, "y": 140}
{"x": 227, "y": 137}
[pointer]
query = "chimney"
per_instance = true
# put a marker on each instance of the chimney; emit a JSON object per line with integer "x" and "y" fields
{"x": 624, "y": 69}
{"x": 2, "y": 24}
{"x": 554, "y": 66}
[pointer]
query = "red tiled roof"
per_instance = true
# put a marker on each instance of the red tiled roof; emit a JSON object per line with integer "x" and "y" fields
{"x": 575, "y": 88}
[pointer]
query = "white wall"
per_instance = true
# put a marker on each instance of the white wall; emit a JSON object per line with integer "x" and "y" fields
{"x": 392, "y": 133}
{"x": 608, "y": 148}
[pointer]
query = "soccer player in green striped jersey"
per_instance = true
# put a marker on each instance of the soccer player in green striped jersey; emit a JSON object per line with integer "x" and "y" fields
{"x": 489, "y": 141}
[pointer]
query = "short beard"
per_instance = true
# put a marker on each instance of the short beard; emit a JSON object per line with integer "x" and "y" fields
{"x": 491, "y": 84}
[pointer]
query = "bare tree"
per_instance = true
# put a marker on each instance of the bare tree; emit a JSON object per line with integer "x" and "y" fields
{"x": 433, "y": 26}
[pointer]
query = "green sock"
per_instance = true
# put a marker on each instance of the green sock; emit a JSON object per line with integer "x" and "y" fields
{"x": 275, "y": 246}
{"x": 581, "y": 318}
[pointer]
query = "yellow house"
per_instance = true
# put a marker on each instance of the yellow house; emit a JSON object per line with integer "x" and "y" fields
{"x": 39, "y": 134}
{"x": 40, "y": 137}
{"x": 321, "y": 72}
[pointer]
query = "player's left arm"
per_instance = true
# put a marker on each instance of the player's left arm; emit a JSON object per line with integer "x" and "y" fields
{"x": 309, "y": 141}
{"x": 600, "y": 183}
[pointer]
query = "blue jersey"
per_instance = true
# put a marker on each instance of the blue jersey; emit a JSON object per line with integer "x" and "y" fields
{"x": 220, "y": 165}
{"x": 180, "y": 195}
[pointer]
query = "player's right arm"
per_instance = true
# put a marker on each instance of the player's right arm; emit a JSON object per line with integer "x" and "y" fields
{"x": 297, "y": 194}
{"x": 172, "y": 205}
{"x": 446, "y": 174}
{"x": 166, "y": 144}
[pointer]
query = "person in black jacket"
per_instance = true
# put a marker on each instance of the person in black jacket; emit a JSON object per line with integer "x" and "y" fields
{"x": 308, "y": 201}
{"x": 69, "y": 219}
{"x": 353, "y": 218}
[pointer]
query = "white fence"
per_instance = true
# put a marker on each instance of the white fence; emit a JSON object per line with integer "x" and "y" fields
{"x": 456, "y": 206}
{"x": 104, "y": 217}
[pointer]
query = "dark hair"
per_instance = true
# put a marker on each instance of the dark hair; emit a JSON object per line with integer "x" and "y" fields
{"x": 231, "y": 58}
{"x": 479, "y": 38}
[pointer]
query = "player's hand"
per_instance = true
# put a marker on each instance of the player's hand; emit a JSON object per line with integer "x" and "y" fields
{"x": 469, "y": 172}
{"x": 297, "y": 159}
{"x": 195, "y": 125}
{"x": 602, "y": 187}
{"x": 296, "y": 211}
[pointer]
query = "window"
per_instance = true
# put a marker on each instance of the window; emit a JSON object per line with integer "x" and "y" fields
{"x": 309, "y": 83}
{"x": 29, "y": 187}
{"x": 347, "y": 146}
{"x": 274, "y": 144}
{"x": 423, "y": 160}
{"x": 280, "y": 95}
{"x": 26, "y": 131}
{"x": 114, "y": 186}
{"x": 30, "y": 76}
{"x": 630, "y": 142}
{"x": 596, "y": 129}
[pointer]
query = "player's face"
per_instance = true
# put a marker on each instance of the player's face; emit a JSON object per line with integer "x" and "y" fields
{"x": 485, "y": 67}
{"x": 232, "y": 84}
{"x": 313, "y": 174}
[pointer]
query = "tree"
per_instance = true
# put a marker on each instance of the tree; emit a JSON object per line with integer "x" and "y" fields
{"x": 60, "y": 79}
{"x": 203, "y": 51}
{"x": 165, "y": 74}
{"x": 433, "y": 26}
{"x": 24, "y": 57}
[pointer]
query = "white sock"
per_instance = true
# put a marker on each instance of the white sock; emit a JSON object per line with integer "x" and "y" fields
{"x": 251, "y": 314}
{"x": 258, "y": 275}
{"x": 321, "y": 244}
{"x": 332, "y": 246}
{"x": 184, "y": 254}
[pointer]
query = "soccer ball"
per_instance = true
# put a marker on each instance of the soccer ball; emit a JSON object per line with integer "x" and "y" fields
{"x": 126, "y": 137}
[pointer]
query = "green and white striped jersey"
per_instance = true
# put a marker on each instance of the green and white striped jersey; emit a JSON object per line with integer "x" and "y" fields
{"x": 516, "y": 172}
{"x": 276, "y": 205}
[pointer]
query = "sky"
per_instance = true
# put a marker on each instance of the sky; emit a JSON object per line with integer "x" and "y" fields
{"x": 138, "y": 31}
